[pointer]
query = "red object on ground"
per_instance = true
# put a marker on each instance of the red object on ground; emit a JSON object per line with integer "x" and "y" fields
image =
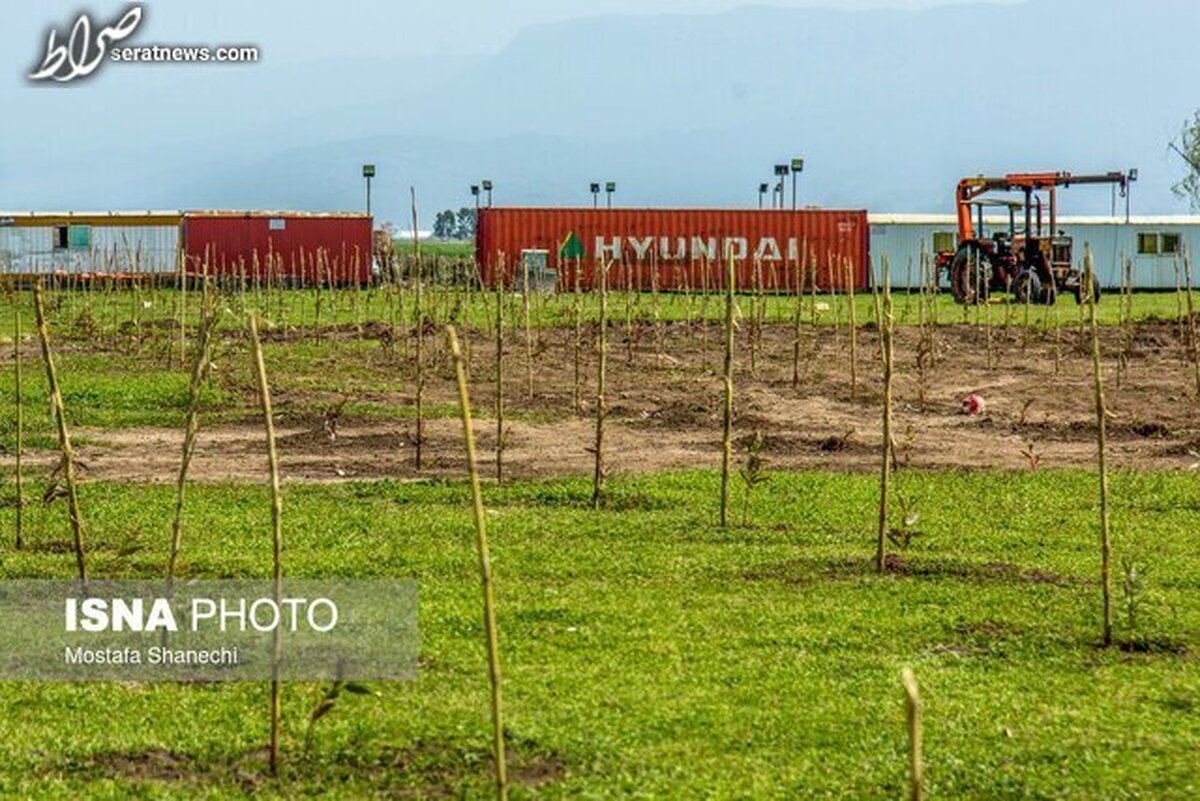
{"x": 294, "y": 247}
{"x": 677, "y": 248}
{"x": 973, "y": 404}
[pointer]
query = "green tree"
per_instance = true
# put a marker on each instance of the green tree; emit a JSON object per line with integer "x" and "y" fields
{"x": 1189, "y": 148}
{"x": 466, "y": 223}
{"x": 445, "y": 225}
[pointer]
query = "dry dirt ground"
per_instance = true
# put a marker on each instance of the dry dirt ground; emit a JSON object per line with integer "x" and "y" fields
{"x": 664, "y": 411}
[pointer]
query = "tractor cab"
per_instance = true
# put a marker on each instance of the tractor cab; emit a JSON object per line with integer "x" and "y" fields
{"x": 1032, "y": 259}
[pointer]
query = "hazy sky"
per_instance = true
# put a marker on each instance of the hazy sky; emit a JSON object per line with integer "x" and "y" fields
{"x": 299, "y": 30}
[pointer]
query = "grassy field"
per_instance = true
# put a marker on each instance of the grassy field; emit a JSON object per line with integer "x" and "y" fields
{"x": 117, "y": 317}
{"x": 648, "y": 653}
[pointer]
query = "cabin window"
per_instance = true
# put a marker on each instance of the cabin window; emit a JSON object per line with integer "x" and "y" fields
{"x": 1147, "y": 244}
{"x": 79, "y": 237}
{"x": 1158, "y": 244}
{"x": 944, "y": 241}
{"x": 60, "y": 237}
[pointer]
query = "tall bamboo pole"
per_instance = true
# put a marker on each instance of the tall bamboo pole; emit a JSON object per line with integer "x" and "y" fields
{"x": 601, "y": 376}
{"x": 916, "y": 767}
{"x": 499, "y": 277}
{"x": 525, "y": 315}
{"x": 485, "y": 571}
{"x": 1101, "y": 460}
{"x": 264, "y": 393}
{"x": 577, "y": 311}
{"x": 200, "y": 368}
{"x": 64, "y": 437}
{"x": 418, "y": 313}
{"x": 885, "y": 470}
{"x": 20, "y": 403}
{"x": 727, "y": 405}
{"x": 853, "y": 324}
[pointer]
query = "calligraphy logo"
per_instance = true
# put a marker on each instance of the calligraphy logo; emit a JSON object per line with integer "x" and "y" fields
{"x": 85, "y": 47}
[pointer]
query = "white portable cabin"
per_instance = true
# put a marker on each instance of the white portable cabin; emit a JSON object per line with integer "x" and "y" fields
{"x": 1154, "y": 244}
{"x": 132, "y": 243}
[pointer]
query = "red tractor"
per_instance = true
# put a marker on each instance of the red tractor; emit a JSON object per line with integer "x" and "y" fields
{"x": 1034, "y": 262}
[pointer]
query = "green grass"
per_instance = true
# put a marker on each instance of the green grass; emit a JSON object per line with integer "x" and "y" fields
{"x": 651, "y": 654}
{"x": 448, "y": 248}
{"x": 115, "y": 318}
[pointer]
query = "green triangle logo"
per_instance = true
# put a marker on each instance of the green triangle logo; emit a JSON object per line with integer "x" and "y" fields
{"x": 571, "y": 248}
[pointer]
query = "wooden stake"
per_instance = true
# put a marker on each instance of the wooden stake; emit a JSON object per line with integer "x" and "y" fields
{"x": 499, "y": 277}
{"x": 264, "y": 393}
{"x": 885, "y": 470}
{"x": 20, "y": 403}
{"x": 528, "y": 329}
{"x": 577, "y": 394}
{"x": 853, "y": 324}
{"x": 1101, "y": 430}
{"x": 601, "y": 371}
{"x": 64, "y": 437}
{"x": 200, "y": 368}
{"x": 418, "y": 313}
{"x": 485, "y": 570}
{"x": 916, "y": 767}
{"x": 727, "y": 406}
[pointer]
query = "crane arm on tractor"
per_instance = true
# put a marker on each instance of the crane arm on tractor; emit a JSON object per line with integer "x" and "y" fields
{"x": 1033, "y": 263}
{"x": 1027, "y": 182}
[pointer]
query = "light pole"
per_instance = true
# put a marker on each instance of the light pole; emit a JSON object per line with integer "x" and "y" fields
{"x": 1131, "y": 176}
{"x": 762, "y": 191}
{"x": 487, "y": 187}
{"x": 609, "y": 189}
{"x": 368, "y": 172}
{"x": 595, "y": 187}
{"x": 797, "y": 168}
{"x": 781, "y": 171}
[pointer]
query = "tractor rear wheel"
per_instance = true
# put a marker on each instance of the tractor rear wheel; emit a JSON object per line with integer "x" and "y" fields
{"x": 1028, "y": 288}
{"x": 970, "y": 275}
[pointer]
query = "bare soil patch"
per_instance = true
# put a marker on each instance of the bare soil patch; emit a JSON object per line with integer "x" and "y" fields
{"x": 664, "y": 413}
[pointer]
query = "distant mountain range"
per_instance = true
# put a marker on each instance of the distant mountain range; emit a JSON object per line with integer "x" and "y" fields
{"x": 889, "y": 109}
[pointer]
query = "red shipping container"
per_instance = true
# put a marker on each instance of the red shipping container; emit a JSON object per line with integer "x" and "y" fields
{"x": 678, "y": 248}
{"x": 293, "y": 247}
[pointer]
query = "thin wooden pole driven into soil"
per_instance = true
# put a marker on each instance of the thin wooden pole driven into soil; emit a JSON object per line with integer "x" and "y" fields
{"x": 916, "y": 767}
{"x": 64, "y": 437}
{"x": 885, "y": 470}
{"x": 1193, "y": 347}
{"x": 485, "y": 571}
{"x": 183, "y": 305}
{"x": 418, "y": 313}
{"x": 797, "y": 320}
{"x": 200, "y": 368}
{"x": 601, "y": 375}
{"x": 1101, "y": 462}
{"x": 1178, "y": 299}
{"x": 577, "y": 394}
{"x": 20, "y": 404}
{"x": 853, "y": 323}
{"x": 727, "y": 406}
{"x": 525, "y": 315}
{"x": 499, "y": 278}
{"x": 264, "y": 394}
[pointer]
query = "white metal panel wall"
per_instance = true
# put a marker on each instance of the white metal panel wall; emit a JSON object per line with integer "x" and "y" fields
{"x": 899, "y": 243}
{"x": 114, "y": 249}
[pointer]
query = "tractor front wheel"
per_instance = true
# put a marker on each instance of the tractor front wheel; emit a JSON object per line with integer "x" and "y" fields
{"x": 1028, "y": 288}
{"x": 970, "y": 275}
